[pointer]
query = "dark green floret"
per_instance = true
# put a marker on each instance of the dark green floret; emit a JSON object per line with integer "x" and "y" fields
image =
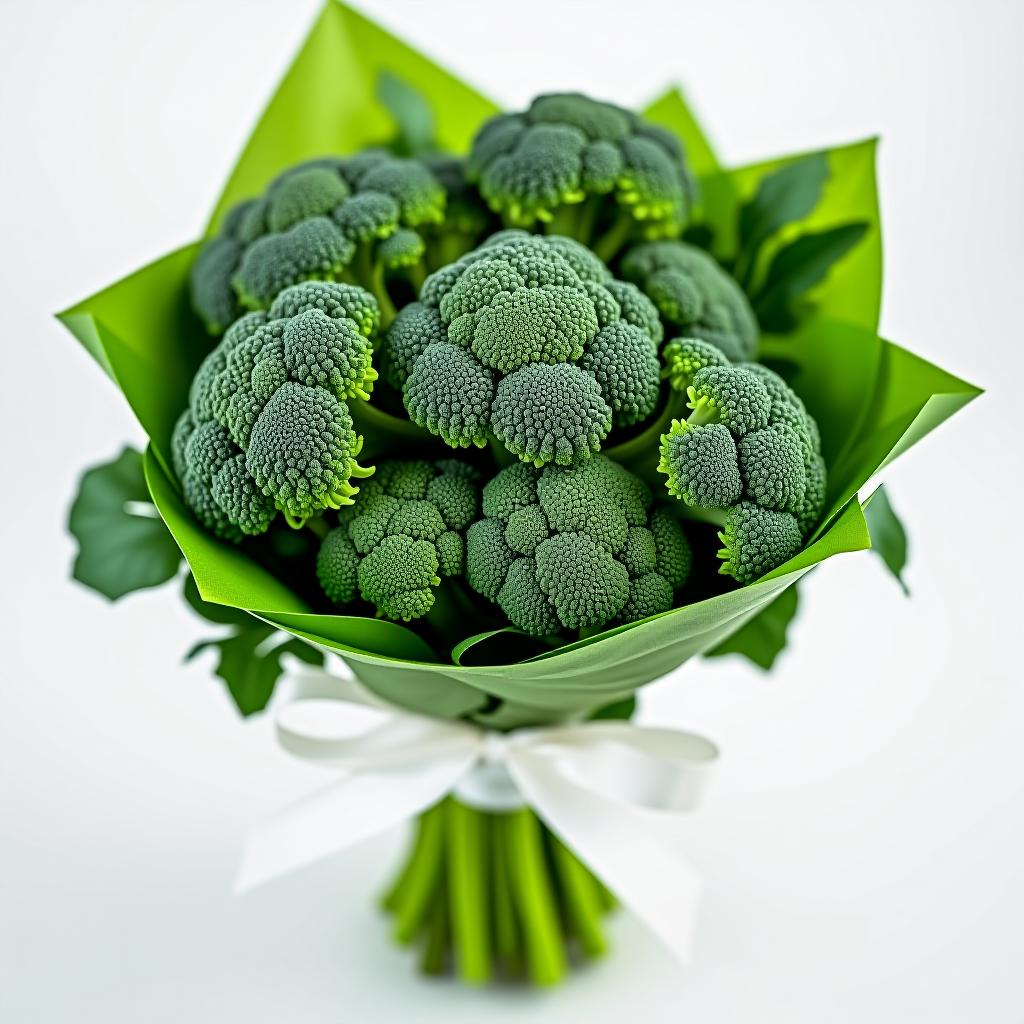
{"x": 329, "y": 219}
{"x": 756, "y": 540}
{"x": 523, "y": 341}
{"x": 748, "y": 445}
{"x": 268, "y": 428}
{"x": 404, "y": 533}
{"x": 575, "y": 548}
{"x": 694, "y": 295}
{"x": 586, "y": 169}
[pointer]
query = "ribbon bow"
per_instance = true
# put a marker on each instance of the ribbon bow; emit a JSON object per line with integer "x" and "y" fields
{"x": 612, "y": 791}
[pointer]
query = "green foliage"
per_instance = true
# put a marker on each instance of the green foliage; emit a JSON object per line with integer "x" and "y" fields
{"x": 123, "y": 544}
{"x": 763, "y": 638}
{"x": 413, "y": 116}
{"x": 888, "y": 537}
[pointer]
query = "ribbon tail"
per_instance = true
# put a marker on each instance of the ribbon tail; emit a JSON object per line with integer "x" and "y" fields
{"x": 633, "y": 853}
{"x": 361, "y": 805}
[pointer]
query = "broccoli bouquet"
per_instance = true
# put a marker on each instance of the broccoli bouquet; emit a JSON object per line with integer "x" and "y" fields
{"x": 511, "y": 412}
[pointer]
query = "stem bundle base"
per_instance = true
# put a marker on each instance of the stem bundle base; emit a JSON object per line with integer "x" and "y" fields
{"x": 488, "y": 895}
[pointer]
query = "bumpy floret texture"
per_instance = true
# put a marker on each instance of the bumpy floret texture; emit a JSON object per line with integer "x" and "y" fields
{"x": 312, "y": 223}
{"x": 524, "y": 340}
{"x": 401, "y": 536}
{"x": 694, "y": 295}
{"x": 748, "y": 444}
{"x": 571, "y": 548}
{"x": 567, "y": 148}
{"x": 268, "y": 428}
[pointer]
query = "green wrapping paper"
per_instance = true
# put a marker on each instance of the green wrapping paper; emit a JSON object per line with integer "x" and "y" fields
{"x": 871, "y": 398}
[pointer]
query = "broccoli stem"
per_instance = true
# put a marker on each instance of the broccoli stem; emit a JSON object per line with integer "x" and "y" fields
{"x": 468, "y": 885}
{"x": 565, "y": 220}
{"x": 609, "y": 244}
{"x": 711, "y": 516}
{"x": 582, "y": 899}
{"x": 318, "y": 526}
{"x": 369, "y": 274}
{"x": 425, "y": 873}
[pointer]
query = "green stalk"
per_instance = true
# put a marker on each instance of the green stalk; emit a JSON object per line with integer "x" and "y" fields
{"x": 535, "y": 901}
{"x": 318, "y": 526}
{"x": 425, "y": 875}
{"x": 609, "y": 244}
{"x": 447, "y": 615}
{"x": 392, "y": 897}
{"x": 369, "y": 274}
{"x": 565, "y": 220}
{"x": 589, "y": 209}
{"x": 468, "y": 882}
{"x": 582, "y": 900}
{"x": 506, "y": 931}
{"x": 435, "y": 949}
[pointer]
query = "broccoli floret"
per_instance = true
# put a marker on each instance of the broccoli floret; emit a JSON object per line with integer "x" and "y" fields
{"x": 756, "y": 540}
{"x": 748, "y": 446}
{"x": 694, "y": 295}
{"x": 591, "y": 170}
{"x": 313, "y": 249}
{"x": 318, "y": 221}
{"x": 401, "y": 537}
{"x": 683, "y": 357}
{"x": 531, "y": 353}
{"x": 268, "y": 427}
{"x": 571, "y": 548}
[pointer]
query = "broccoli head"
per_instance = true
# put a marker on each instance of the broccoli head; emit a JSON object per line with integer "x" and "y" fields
{"x": 525, "y": 340}
{"x": 589, "y": 169}
{"x": 694, "y": 294}
{"x": 268, "y": 427}
{"x": 748, "y": 457}
{"x": 363, "y": 219}
{"x": 571, "y": 548}
{"x": 399, "y": 539}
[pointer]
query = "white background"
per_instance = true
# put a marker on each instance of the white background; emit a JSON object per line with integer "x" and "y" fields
{"x": 863, "y": 847}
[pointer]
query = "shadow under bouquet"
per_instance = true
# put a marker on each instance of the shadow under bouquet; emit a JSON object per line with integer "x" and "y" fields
{"x": 512, "y": 413}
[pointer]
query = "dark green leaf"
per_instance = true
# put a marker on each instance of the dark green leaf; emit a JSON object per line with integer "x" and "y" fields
{"x": 250, "y": 663}
{"x": 888, "y": 537}
{"x": 798, "y": 267}
{"x": 621, "y": 710}
{"x": 784, "y": 196}
{"x": 123, "y": 544}
{"x": 412, "y": 114}
{"x": 763, "y": 638}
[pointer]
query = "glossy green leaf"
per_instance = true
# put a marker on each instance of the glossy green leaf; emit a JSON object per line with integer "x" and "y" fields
{"x": 853, "y": 290}
{"x": 796, "y": 268}
{"x": 783, "y": 197}
{"x": 763, "y": 638}
{"x": 249, "y": 662}
{"x": 415, "y": 130}
{"x": 123, "y": 544}
{"x": 328, "y": 102}
{"x": 888, "y": 537}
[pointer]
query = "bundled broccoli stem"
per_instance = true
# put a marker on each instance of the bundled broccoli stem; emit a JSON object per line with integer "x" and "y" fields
{"x": 495, "y": 893}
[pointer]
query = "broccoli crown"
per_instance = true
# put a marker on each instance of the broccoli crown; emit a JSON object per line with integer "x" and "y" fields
{"x": 694, "y": 294}
{"x": 402, "y": 535}
{"x": 569, "y": 548}
{"x": 523, "y": 340}
{"x": 749, "y": 444}
{"x": 317, "y": 221}
{"x": 268, "y": 428}
{"x": 566, "y": 148}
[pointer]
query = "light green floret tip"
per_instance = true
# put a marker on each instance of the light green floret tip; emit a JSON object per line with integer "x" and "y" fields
{"x": 587, "y": 169}
{"x": 576, "y": 548}
{"x": 268, "y": 428}
{"x": 522, "y": 341}
{"x": 684, "y": 357}
{"x": 401, "y": 538}
{"x": 728, "y": 395}
{"x": 694, "y": 295}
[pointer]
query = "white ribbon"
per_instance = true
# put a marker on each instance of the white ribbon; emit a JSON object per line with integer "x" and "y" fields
{"x": 612, "y": 791}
